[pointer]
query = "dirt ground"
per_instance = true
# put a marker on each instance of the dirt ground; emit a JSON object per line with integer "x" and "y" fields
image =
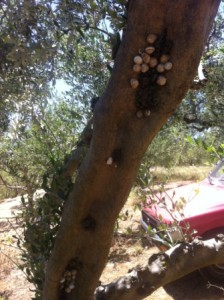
{"x": 13, "y": 283}
{"x": 126, "y": 252}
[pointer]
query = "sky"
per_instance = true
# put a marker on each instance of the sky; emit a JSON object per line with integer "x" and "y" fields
{"x": 61, "y": 86}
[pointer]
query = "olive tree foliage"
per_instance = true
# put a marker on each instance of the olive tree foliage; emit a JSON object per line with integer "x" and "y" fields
{"x": 202, "y": 108}
{"x": 41, "y": 39}
{"x": 31, "y": 149}
{"x": 41, "y": 42}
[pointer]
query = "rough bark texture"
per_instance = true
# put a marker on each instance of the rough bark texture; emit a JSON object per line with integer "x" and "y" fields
{"x": 162, "y": 269}
{"x": 79, "y": 152}
{"x": 101, "y": 189}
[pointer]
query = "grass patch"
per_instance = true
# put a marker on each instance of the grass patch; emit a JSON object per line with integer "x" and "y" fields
{"x": 190, "y": 173}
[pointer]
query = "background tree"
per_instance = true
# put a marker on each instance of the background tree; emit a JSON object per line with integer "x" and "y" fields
{"x": 202, "y": 108}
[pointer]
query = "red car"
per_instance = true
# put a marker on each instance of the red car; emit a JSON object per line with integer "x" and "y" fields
{"x": 195, "y": 209}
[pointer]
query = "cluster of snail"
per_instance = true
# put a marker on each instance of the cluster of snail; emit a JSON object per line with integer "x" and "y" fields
{"x": 145, "y": 61}
{"x": 68, "y": 281}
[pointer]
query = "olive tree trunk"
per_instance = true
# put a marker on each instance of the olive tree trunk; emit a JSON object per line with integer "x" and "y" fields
{"x": 121, "y": 135}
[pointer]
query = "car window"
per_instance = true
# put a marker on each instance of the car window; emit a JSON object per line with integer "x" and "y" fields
{"x": 217, "y": 175}
{"x": 220, "y": 172}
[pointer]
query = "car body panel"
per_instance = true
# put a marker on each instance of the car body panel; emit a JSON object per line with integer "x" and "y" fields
{"x": 203, "y": 210}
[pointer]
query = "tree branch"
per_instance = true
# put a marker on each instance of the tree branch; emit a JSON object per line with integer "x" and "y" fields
{"x": 79, "y": 152}
{"x": 163, "y": 268}
{"x": 9, "y": 186}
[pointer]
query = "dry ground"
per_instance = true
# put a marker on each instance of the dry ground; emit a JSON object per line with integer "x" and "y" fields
{"x": 13, "y": 283}
{"x": 126, "y": 252}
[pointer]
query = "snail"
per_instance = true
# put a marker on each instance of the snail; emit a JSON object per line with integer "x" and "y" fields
{"x": 153, "y": 62}
{"x": 149, "y": 49}
{"x": 168, "y": 66}
{"x": 160, "y": 68}
{"x": 145, "y": 68}
{"x": 137, "y": 68}
{"x": 134, "y": 83}
{"x": 164, "y": 58}
{"x": 145, "y": 57}
{"x": 138, "y": 60}
{"x": 161, "y": 80}
{"x": 151, "y": 38}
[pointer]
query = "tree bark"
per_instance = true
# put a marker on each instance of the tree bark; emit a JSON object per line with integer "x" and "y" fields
{"x": 163, "y": 268}
{"x": 120, "y": 138}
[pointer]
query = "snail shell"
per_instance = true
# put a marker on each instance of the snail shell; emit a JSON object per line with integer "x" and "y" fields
{"x": 151, "y": 38}
{"x": 134, "y": 83}
{"x": 138, "y": 60}
{"x": 161, "y": 80}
